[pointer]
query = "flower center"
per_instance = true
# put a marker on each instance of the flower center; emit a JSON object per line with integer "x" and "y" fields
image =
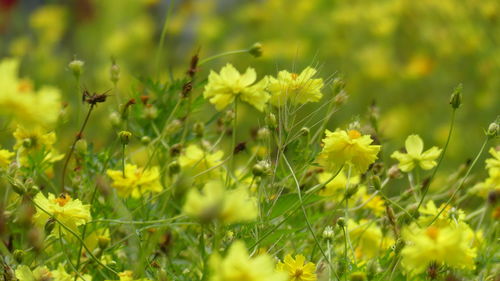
{"x": 298, "y": 272}
{"x": 354, "y": 134}
{"x": 63, "y": 199}
{"x": 294, "y": 76}
{"x": 432, "y": 232}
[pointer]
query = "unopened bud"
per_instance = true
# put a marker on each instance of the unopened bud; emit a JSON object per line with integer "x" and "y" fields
{"x": 115, "y": 119}
{"x": 125, "y": 137}
{"x": 76, "y": 66}
{"x": 271, "y": 121}
{"x": 328, "y": 233}
{"x": 376, "y": 183}
{"x": 358, "y": 276}
{"x": 493, "y": 130}
{"x": 174, "y": 168}
{"x": 49, "y": 226}
{"x": 114, "y": 73}
{"x": 198, "y": 129}
{"x": 81, "y": 146}
{"x": 263, "y": 134}
{"x": 150, "y": 112}
{"x": 256, "y": 50}
{"x": 304, "y": 131}
{"x": 456, "y": 97}
{"x": 145, "y": 140}
{"x": 173, "y": 127}
{"x": 19, "y": 256}
{"x": 103, "y": 242}
{"x": 394, "y": 172}
{"x": 341, "y": 222}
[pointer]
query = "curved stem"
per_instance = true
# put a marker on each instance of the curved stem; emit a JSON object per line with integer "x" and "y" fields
{"x": 440, "y": 159}
{"x": 462, "y": 182}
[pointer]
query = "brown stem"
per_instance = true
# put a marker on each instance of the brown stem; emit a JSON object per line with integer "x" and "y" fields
{"x": 78, "y": 137}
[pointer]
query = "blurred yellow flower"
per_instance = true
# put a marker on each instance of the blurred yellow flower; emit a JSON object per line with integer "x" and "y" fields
{"x": 295, "y": 89}
{"x": 347, "y": 147}
{"x": 222, "y": 89}
{"x": 215, "y": 202}
{"x": 297, "y": 269}
{"x": 494, "y": 162}
{"x": 71, "y": 212}
{"x": 136, "y": 182}
{"x": 35, "y": 142}
{"x": 128, "y": 275}
{"x": 24, "y": 273}
{"x": 336, "y": 187}
{"x": 367, "y": 239}
{"x": 415, "y": 155}
{"x": 202, "y": 164}
{"x": 60, "y": 274}
{"x": 238, "y": 266}
{"x": 50, "y": 22}
{"x": 436, "y": 244}
{"x": 5, "y": 156}
{"x": 19, "y": 100}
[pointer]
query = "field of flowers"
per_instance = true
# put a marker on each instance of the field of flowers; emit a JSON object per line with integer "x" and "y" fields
{"x": 263, "y": 140}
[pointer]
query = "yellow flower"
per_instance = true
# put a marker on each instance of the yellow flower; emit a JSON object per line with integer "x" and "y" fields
{"x": 136, "y": 181}
{"x": 373, "y": 202}
{"x": 223, "y": 88}
{"x": 347, "y": 147}
{"x": 295, "y": 89}
{"x": 70, "y": 212}
{"x": 19, "y": 100}
{"x": 368, "y": 240}
{"x": 200, "y": 163}
{"x": 128, "y": 275}
{"x": 50, "y": 22}
{"x": 336, "y": 187}
{"x": 297, "y": 269}
{"x": 492, "y": 183}
{"x": 24, "y": 273}
{"x": 5, "y": 156}
{"x": 215, "y": 202}
{"x": 239, "y": 266}
{"x": 60, "y": 274}
{"x": 436, "y": 244}
{"x": 414, "y": 156}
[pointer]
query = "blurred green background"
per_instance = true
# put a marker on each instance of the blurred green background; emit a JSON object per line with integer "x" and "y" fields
{"x": 405, "y": 55}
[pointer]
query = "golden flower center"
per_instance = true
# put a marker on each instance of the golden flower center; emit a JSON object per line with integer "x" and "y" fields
{"x": 63, "y": 199}
{"x": 432, "y": 232}
{"x": 298, "y": 272}
{"x": 24, "y": 86}
{"x": 354, "y": 134}
{"x": 294, "y": 76}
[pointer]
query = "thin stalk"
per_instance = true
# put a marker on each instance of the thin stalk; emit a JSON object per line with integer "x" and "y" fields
{"x": 162, "y": 37}
{"x": 440, "y": 159}
{"x": 462, "y": 182}
{"x": 77, "y": 138}
{"x": 222, "y": 55}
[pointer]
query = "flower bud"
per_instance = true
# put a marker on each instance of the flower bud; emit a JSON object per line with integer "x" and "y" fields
{"x": 341, "y": 222}
{"x": 376, "y": 183}
{"x": 114, "y": 73}
{"x": 263, "y": 134}
{"x": 19, "y": 256}
{"x": 49, "y": 226}
{"x": 124, "y": 137}
{"x": 145, "y": 140}
{"x": 103, "y": 242}
{"x": 81, "y": 146}
{"x": 328, "y": 233}
{"x": 115, "y": 119}
{"x": 173, "y": 127}
{"x": 304, "y": 131}
{"x": 271, "y": 121}
{"x": 198, "y": 129}
{"x": 256, "y": 50}
{"x": 358, "y": 276}
{"x": 493, "y": 129}
{"x": 150, "y": 112}
{"x": 174, "y": 168}
{"x": 76, "y": 66}
{"x": 456, "y": 97}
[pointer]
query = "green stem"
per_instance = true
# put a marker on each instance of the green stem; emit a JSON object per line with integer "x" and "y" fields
{"x": 440, "y": 159}
{"x": 162, "y": 38}
{"x": 462, "y": 182}
{"x": 222, "y": 55}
